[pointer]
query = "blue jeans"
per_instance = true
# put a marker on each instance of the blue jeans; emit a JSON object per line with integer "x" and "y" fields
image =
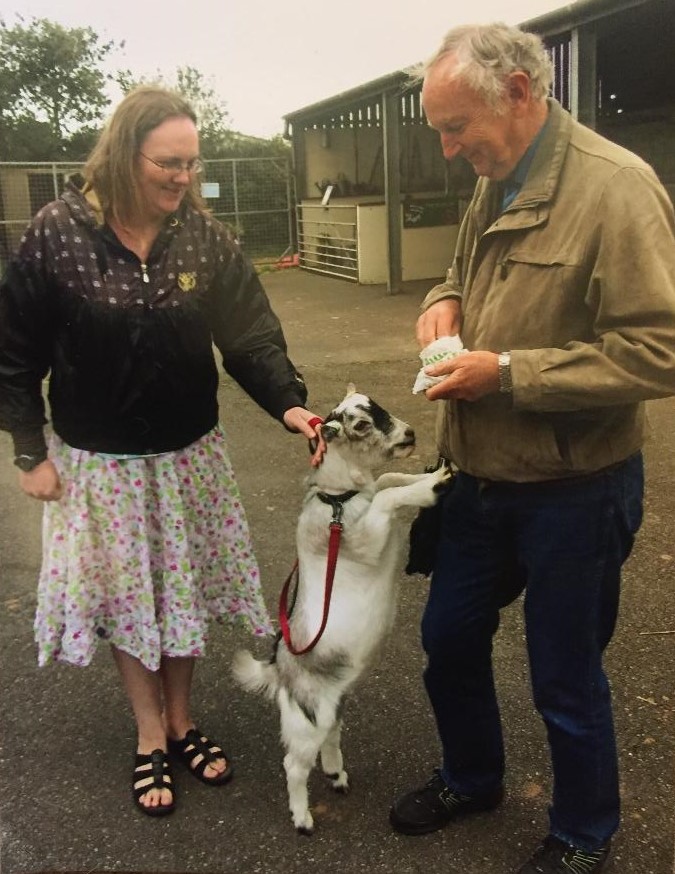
{"x": 564, "y": 544}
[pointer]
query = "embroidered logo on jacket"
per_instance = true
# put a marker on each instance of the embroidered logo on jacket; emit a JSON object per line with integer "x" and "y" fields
{"x": 187, "y": 281}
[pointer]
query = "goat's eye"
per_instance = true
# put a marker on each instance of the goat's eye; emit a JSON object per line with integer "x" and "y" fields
{"x": 361, "y": 426}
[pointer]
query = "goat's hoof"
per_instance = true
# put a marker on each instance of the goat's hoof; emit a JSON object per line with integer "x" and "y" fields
{"x": 305, "y": 825}
{"x": 339, "y": 782}
{"x": 443, "y": 478}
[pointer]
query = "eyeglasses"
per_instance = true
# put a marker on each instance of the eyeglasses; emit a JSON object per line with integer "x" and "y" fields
{"x": 175, "y": 165}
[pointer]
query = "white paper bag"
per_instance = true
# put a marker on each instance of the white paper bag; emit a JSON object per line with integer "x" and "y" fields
{"x": 441, "y": 349}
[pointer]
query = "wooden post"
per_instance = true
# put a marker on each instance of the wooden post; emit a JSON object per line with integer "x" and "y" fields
{"x": 392, "y": 187}
{"x": 584, "y": 75}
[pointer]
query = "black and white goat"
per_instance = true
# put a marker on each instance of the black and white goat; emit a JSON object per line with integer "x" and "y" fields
{"x": 309, "y": 688}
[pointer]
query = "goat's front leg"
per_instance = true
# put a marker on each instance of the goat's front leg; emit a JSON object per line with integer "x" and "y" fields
{"x": 375, "y": 524}
{"x": 423, "y": 491}
{"x": 331, "y": 759}
{"x": 391, "y": 480}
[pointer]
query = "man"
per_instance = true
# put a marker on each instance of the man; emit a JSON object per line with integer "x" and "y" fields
{"x": 563, "y": 288}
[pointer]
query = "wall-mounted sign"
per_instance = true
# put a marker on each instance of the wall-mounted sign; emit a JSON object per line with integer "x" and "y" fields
{"x": 210, "y": 189}
{"x": 430, "y": 213}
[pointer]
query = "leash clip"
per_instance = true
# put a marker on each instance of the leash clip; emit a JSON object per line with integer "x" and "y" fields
{"x": 338, "y": 511}
{"x": 337, "y": 504}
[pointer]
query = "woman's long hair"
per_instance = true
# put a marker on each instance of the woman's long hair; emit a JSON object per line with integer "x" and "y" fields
{"x": 111, "y": 167}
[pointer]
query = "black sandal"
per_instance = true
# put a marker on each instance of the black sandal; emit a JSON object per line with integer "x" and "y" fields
{"x": 197, "y": 752}
{"x": 153, "y": 772}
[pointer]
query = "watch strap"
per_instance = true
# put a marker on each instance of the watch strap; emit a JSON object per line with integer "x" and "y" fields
{"x": 505, "y": 375}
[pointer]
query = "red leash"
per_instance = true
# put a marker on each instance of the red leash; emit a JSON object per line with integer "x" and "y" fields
{"x": 336, "y": 501}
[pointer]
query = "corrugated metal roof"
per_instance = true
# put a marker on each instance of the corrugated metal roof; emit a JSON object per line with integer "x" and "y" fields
{"x": 557, "y": 21}
{"x": 576, "y": 14}
{"x": 345, "y": 99}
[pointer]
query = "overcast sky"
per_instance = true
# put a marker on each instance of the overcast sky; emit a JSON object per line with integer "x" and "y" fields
{"x": 266, "y": 58}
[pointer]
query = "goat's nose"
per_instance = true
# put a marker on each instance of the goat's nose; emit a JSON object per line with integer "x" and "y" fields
{"x": 410, "y": 434}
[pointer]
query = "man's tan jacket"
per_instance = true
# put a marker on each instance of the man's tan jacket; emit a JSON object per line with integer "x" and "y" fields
{"x": 577, "y": 280}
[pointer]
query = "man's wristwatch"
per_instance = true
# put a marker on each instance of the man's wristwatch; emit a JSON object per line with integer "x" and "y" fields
{"x": 26, "y": 463}
{"x": 505, "y": 380}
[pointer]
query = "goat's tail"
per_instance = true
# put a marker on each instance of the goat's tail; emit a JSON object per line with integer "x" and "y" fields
{"x": 253, "y": 675}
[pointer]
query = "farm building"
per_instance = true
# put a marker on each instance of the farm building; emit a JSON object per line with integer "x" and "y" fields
{"x": 377, "y": 202}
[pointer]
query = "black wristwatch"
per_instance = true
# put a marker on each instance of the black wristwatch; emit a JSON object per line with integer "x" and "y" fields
{"x": 26, "y": 463}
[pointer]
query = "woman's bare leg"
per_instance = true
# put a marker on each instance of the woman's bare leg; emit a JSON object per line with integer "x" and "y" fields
{"x": 176, "y": 676}
{"x": 143, "y": 688}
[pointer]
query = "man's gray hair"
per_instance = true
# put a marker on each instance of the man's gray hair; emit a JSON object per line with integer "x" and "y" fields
{"x": 487, "y": 53}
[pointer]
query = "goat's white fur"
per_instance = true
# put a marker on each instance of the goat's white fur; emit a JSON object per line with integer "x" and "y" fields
{"x": 309, "y": 688}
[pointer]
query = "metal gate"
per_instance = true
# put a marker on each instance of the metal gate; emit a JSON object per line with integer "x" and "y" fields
{"x": 328, "y": 239}
{"x": 252, "y": 195}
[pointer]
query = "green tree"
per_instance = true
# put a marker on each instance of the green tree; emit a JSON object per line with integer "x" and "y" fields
{"x": 212, "y": 115}
{"x": 218, "y": 140}
{"x": 214, "y": 119}
{"x": 51, "y": 86}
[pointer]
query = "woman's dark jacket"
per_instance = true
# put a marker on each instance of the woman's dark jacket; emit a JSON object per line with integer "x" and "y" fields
{"x": 128, "y": 346}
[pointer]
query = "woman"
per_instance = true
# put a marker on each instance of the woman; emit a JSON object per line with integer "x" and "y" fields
{"x": 118, "y": 291}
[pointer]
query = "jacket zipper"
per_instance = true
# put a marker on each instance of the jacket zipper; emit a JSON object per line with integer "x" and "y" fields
{"x": 144, "y": 272}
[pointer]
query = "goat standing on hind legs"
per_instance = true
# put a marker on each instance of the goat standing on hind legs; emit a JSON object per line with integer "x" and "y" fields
{"x": 309, "y": 688}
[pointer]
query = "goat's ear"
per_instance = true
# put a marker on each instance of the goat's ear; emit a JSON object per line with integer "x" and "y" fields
{"x": 330, "y": 430}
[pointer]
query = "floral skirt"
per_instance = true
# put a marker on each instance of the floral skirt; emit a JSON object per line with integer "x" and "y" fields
{"x": 143, "y": 552}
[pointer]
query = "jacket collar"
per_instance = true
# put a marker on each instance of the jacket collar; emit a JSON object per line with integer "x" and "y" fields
{"x": 544, "y": 174}
{"x": 531, "y": 205}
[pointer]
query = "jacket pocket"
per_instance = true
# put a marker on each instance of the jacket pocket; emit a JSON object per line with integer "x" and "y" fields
{"x": 547, "y": 291}
{"x": 536, "y": 260}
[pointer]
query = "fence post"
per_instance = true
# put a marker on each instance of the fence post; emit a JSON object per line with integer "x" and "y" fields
{"x": 235, "y": 193}
{"x": 55, "y": 182}
{"x": 289, "y": 203}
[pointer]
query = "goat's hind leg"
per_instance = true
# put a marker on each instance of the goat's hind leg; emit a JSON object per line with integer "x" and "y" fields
{"x": 302, "y": 739}
{"x": 332, "y": 761}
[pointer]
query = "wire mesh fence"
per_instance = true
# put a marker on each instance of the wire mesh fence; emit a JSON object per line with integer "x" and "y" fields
{"x": 253, "y": 196}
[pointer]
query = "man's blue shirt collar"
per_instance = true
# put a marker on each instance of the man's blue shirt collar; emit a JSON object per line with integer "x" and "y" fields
{"x": 516, "y": 178}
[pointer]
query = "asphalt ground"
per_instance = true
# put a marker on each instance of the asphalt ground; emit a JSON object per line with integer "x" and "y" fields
{"x": 67, "y": 736}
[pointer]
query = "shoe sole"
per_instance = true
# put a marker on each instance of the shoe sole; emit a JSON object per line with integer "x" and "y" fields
{"x": 597, "y": 870}
{"x": 406, "y": 828}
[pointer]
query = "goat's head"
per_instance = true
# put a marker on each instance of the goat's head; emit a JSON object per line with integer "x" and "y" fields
{"x": 362, "y": 426}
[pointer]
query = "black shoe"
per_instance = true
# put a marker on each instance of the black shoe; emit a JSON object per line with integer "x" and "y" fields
{"x": 556, "y": 857}
{"x": 434, "y": 805}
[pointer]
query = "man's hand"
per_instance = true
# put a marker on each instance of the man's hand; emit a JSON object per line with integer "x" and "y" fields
{"x": 470, "y": 376}
{"x": 42, "y": 483}
{"x": 442, "y": 319}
